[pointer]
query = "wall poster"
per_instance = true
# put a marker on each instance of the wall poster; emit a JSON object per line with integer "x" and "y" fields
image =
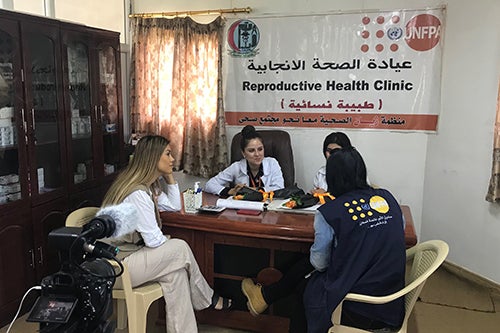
{"x": 365, "y": 70}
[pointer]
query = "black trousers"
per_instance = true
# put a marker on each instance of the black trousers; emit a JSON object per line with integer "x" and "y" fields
{"x": 293, "y": 283}
{"x": 353, "y": 319}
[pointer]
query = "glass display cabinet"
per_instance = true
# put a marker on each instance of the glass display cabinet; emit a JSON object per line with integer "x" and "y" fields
{"x": 93, "y": 106}
{"x": 11, "y": 156}
{"x": 43, "y": 112}
{"x": 80, "y": 111}
{"x": 108, "y": 107}
{"x": 61, "y": 138}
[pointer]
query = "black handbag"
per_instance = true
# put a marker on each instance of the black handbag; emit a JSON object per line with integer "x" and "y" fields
{"x": 304, "y": 200}
{"x": 288, "y": 192}
{"x": 249, "y": 194}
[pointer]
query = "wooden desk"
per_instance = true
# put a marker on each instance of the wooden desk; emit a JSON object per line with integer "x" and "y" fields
{"x": 230, "y": 247}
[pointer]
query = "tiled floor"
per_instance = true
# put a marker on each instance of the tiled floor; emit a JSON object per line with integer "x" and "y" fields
{"x": 449, "y": 303}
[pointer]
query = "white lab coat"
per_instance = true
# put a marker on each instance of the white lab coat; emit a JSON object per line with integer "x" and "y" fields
{"x": 237, "y": 173}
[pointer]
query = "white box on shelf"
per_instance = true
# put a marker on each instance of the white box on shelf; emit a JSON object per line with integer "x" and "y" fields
{"x": 5, "y": 122}
{"x": 7, "y": 112}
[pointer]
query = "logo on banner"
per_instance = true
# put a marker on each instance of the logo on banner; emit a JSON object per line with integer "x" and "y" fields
{"x": 421, "y": 33}
{"x": 243, "y": 37}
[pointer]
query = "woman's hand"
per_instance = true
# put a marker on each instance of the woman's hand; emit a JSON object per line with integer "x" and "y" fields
{"x": 235, "y": 189}
{"x": 169, "y": 178}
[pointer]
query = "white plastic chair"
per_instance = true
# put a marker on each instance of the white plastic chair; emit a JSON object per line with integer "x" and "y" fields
{"x": 427, "y": 257}
{"x": 132, "y": 303}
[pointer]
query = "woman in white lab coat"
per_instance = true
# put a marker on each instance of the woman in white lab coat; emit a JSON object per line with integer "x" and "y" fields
{"x": 253, "y": 170}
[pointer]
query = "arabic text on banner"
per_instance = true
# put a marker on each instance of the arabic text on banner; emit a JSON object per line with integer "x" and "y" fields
{"x": 378, "y": 70}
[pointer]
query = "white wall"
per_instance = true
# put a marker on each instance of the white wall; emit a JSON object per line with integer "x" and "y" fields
{"x": 442, "y": 176}
{"x": 109, "y": 14}
{"x": 459, "y": 157}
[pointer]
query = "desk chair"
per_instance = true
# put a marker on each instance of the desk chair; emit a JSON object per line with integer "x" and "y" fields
{"x": 132, "y": 303}
{"x": 426, "y": 258}
{"x": 277, "y": 144}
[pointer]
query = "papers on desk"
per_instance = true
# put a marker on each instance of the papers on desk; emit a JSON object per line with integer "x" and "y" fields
{"x": 240, "y": 204}
{"x": 275, "y": 205}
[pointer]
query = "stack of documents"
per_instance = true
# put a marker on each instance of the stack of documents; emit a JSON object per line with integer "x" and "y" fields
{"x": 241, "y": 204}
{"x": 275, "y": 205}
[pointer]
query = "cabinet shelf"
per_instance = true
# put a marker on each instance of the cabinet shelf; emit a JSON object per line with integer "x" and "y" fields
{"x": 81, "y": 137}
{"x": 46, "y": 143}
{"x": 8, "y": 147}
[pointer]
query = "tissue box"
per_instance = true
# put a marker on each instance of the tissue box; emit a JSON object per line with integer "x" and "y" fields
{"x": 192, "y": 201}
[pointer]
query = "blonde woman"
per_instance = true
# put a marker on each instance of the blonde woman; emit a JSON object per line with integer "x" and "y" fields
{"x": 148, "y": 183}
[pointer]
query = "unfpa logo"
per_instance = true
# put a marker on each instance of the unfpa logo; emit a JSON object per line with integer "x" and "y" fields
{"x": 423, "y": 32}
{"x": 379, "y": 204}
{"x": 243, "y": 37}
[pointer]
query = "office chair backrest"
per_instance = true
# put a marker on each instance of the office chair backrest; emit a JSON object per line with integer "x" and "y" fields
{"x": 277, "y": 144}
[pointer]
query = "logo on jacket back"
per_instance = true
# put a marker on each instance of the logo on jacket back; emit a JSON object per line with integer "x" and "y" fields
{"x": 379, "y": 204}
{"x": 360, "y": 209}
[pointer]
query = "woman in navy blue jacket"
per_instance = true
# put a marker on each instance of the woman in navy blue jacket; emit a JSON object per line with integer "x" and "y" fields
{"x": 358, "y": 248}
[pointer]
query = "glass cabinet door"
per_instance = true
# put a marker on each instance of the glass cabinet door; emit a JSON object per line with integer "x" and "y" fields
{"x": 44, "y": 110}
{"x": 108, "y": 108}
{"x": 10, "y": 154}
{"x": 82, "y": 160}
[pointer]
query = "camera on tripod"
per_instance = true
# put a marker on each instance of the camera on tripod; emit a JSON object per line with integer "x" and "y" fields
{"x": 78, "y": 298}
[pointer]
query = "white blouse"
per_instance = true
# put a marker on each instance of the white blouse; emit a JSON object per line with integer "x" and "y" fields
{"x": 237, "y": 173}
{"x": 146, "y": 224}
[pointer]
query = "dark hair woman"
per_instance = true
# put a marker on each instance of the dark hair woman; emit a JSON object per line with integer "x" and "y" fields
{"x": 253, "y": 170}
{"x": 332, "y": 141}
{"x": 358, "y": 247}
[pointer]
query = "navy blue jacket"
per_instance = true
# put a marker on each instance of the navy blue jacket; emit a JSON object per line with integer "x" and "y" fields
{"x": 369, "y": 258}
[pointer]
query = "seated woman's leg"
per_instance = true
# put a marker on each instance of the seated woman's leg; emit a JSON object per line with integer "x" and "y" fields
{"x": 170, "y": 265}
{"x": 298, "y": 321}
{"x": 179, "y": 310}
{"x": 154, "y": 264}
{"x": 350, "y": 318}
{"x": 259, "y": 297}
{"x": 289, "y": 282}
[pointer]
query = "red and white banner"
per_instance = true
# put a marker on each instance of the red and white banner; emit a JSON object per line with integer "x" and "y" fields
{"x": 366, "y": 70}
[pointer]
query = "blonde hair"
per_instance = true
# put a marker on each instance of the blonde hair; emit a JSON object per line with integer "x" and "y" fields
{"x": 142, "y": 170}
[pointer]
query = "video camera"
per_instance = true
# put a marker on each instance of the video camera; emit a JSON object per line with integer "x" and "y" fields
{"x": 78, "y": 298}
